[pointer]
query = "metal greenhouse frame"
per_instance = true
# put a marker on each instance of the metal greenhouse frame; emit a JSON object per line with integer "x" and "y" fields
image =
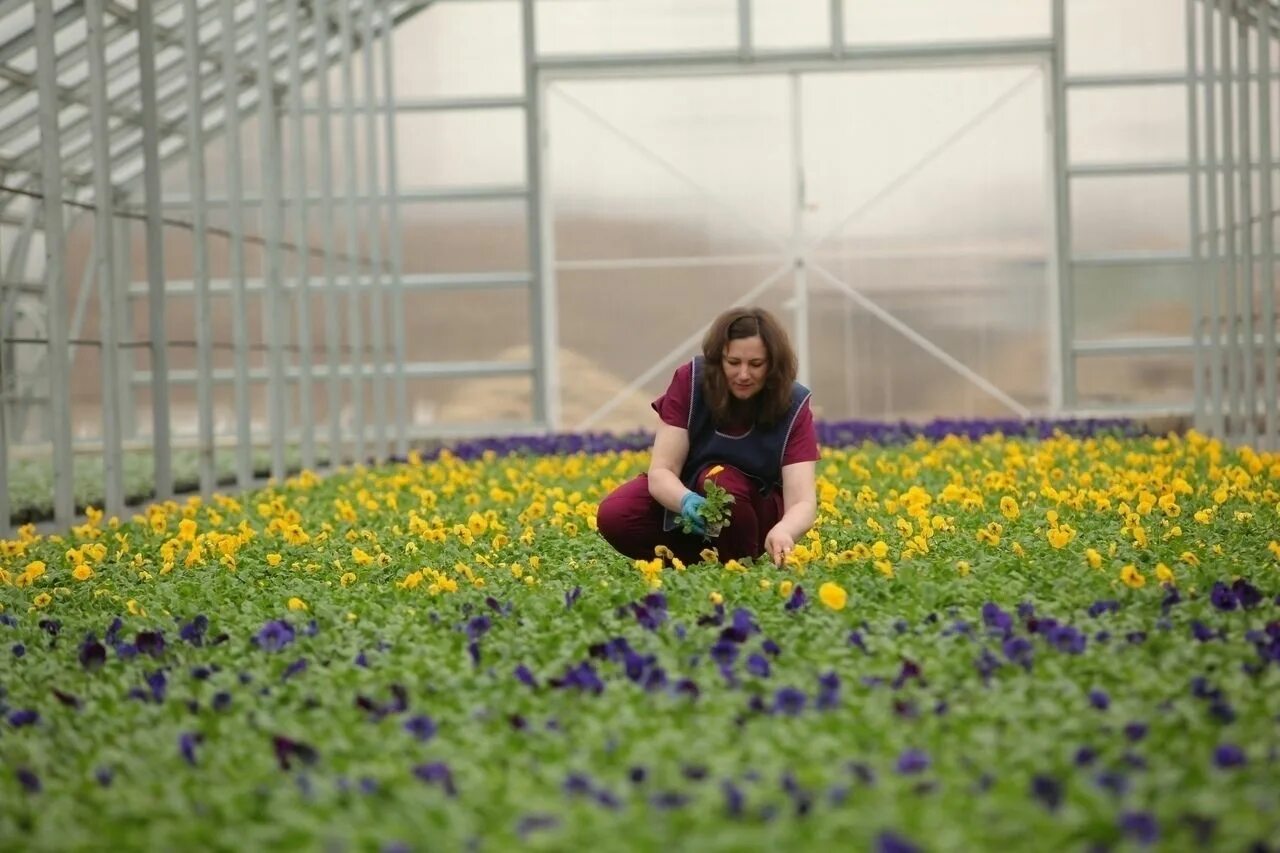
{"x": 96, "y": 96}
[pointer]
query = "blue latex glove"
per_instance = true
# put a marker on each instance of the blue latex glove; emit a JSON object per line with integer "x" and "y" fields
{"x": 689, "y": 506}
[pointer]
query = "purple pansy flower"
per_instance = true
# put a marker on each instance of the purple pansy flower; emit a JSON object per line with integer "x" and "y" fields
{"x": 288, "y": 749}
{"x": 887, "y": 842}
{"x": 421, "y": 727}
{"x": 187, "y": 742}
{"x": 1140, "y": 826}
{"x": 912, "y": 761}
{"x": 25, "y": 717}
{"x": 789, "y": 701}
{"x": 437, "y": 773}
{"x": 274, "y": 635}
{"x": 150, "y": 643}
{"x": 758, "y": 666}
{"x": 28, "y": 779}
{"x": 1228, "y": 755}
{"x": 797, "y": 600}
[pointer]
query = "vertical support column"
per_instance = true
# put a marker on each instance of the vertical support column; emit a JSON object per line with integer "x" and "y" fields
{"x": 1193, "y": 197}
{"x": 744, "y": 29}
{"x": 269, "y": 155}
{"x": 161, "y": 438}
{"x": 1216, "y": 422}
{"x": 298, "y": 207}
{"x": 1267, "y": 260}
{"x": 800, "y": 278}
{"x": 1062, "y": 392}
{"x": 104, "y": 199}
{"x": 332, "y": 333}
{"x": 122, "y": 305}
{"x": 394, "y": 246}
{"x": 373, "y": 228}
{"x": 543, "y": 318}
{"x": 235, "y": 228}
{"x": 55, "y": 248}
{"x": 1229, "y": 226}
{"x": 199, "y": 247}
{"x": 837, "y": 28}
{"x": 1248, "y": 374}
{"x": 354, "y": 320}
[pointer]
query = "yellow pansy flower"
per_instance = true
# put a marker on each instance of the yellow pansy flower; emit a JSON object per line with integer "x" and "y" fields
{"x": 833, "y": 595}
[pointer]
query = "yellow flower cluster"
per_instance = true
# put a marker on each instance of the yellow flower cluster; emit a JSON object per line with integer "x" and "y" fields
{"x": 966, "y": 507}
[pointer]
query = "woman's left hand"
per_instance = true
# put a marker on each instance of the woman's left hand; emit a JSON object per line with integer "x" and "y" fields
{"x": 778, "y": 545}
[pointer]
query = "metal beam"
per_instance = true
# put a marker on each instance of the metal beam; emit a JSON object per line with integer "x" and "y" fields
{"x": 332, "y": 334}
{"x": 395, "y": 248}
{"x": 206, "y": 463}
{"x": 298, "y": 211}
{"x": 415, "y": 370}
{"x": 1062, "y": 287}
{"x": 55, "y": 249}
{"x": 270, "y": 220}
{"x": 355, "y": 331}
{"x": 160, "y": 431}
{"x": 373, "y": 233}
{"x": 112, "y": 455}
{"x": 235, "y": 224}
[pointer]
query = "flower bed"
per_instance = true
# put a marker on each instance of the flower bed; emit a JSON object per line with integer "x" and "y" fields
{"x": 1070, "y": 639}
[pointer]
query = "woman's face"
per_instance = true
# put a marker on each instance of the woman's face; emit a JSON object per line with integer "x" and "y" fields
{"x": 745, "y": 363}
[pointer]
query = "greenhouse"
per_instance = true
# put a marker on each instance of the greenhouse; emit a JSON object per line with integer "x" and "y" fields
{"x": 376, "y": 377}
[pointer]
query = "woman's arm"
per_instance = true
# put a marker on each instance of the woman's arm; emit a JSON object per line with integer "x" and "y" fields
{"x": 670, "y": 449}
{"x": 800, "y": 509}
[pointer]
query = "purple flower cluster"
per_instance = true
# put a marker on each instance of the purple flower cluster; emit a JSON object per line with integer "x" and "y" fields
{"x": 849, "y": 433}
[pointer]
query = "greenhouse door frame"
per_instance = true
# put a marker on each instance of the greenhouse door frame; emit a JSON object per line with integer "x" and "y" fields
{"x": 1041, "y": 53}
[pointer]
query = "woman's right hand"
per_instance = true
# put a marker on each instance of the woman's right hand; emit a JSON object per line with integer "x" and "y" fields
{"x": 689, "y": 510}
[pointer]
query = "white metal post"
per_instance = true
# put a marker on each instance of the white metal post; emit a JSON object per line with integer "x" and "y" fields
{"x": 800, "y": 280}
{"x": 270, "y": 217}
{"x": 55, "y": 248}
{"x": 1267, "y": 275}
{"x": 199, "y": 249}
{"x": 394, "y": 245}
{"x": 1248, "y": 375}
{"x": 161, "y": 438}
{"x": 298, "y": 207}
{"x": 540, "y": 225}
{"x": 1235, "y": 381}
{"x": 1214, "y": 268}
{"x": 1062, "y": 290}
{"x": 373, "y": 230}
{"x": 104, "y": 239}
{"x": 235, "y": 227}
{"x": 354, "y": 320}
{"x": 332, "y": 333}
{"x": 1193, "y": 196}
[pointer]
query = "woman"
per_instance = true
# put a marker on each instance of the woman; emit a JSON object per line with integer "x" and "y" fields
{"x": 737, "y": 406}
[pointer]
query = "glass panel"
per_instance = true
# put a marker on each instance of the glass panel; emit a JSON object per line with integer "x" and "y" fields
{"x": 458, "y": 149}
{"x": 613, "y": 26}
{"x": 903, "y": 160}
{"x": 1129, "y": 301}
{"x": 944, "y": 20}
{"x": 456, "y": 237}
{"x": 1140, "y": 124}
{"x": 675, "y": 166}
{"x": 469, "y": 401}
{"x": 1145, "y": 213}
{"x": 456, "y": 49}
{"x": 790, "y": 23}
{"x": 1134, "y": 380}
{"x": 1104, "y": 36}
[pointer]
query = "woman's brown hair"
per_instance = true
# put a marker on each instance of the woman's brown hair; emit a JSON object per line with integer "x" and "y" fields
{"x": 774, "y": 399}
